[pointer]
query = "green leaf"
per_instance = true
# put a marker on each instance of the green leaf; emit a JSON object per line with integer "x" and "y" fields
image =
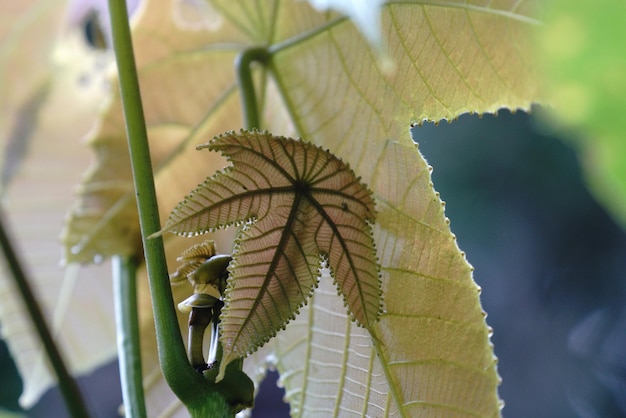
{"x": 581, "y": 53}
{"x": 301, "y": 205}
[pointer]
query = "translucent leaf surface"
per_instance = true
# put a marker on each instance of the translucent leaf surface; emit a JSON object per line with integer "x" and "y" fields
{"x": 21, "y": 24}
{"x": 324, "y": 83}
{"x": 419, "y": 369}
{"x": 303, "y": 207}
{"x": 463, "y": 58}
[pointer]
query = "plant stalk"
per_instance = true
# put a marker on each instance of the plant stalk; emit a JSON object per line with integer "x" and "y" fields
{"x": 128, "y": 338}
{"x": 251, "y": 120}
{"x": 72, "y": 396}
{"x": 249, "y": 103}
{"x": 185, "y": 382}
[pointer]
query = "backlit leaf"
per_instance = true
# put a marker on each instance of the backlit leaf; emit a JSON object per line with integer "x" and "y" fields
{"x": 449, "y": 58}
{"x": 323, "y": 83}
{"x": 301, "y": 206}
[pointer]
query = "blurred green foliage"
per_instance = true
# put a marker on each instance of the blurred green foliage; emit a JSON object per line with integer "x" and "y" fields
{"x": 581, "y": 52}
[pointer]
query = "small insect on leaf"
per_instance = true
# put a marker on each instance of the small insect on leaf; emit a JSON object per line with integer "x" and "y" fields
{"x": 300, "y": 208}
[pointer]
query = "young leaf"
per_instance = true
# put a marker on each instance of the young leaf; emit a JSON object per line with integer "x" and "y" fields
{"x": 301, "y": 205}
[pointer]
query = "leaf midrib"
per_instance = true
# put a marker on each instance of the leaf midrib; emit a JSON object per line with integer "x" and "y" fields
{"x": 251, "y": 193}
{"x": 348, "y": 254}
{"x": 300, "y": 190}
{"x": 272, "y": 267}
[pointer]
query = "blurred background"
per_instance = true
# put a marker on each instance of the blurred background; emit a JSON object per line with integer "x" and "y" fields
{"x": 549, "y": 259}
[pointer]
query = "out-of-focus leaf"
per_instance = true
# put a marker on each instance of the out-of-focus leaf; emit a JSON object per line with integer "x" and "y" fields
{"x": 323, "y": 81}
{"x": 582, "y": 53}
{"x": 104, "y": 220}
{"x": 23, "y": 76}
{"x": 51, "y": 88}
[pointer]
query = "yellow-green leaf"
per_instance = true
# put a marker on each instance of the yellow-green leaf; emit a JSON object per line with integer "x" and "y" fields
{"x": 431, "y": 359}
{"x": 325, "y": 83}
{"x": 449, "y": 58}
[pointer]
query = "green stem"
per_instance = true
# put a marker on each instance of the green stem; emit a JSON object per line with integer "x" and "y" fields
{"x": 251, "y": 114}
{"x": 188, "y": 385}
{"x": 128, "y": 338}
{"x": 250, "y": 107}
{"x": 68, "y": 386}
{"x": 249, "y": 103}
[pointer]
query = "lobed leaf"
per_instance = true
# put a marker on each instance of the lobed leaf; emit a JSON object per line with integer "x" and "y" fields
{"x": 301, "y": 205}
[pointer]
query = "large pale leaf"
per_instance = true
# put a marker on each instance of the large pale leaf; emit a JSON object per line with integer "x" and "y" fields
{"x": 324, "y": 82}
{"x": 303, "y": 206}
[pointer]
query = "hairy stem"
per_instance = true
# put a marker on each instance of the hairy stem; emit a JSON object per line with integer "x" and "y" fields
{"x": 69, "y": 388}
{"x": 185, "y": 382}
{"x": 128, "y": 339}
